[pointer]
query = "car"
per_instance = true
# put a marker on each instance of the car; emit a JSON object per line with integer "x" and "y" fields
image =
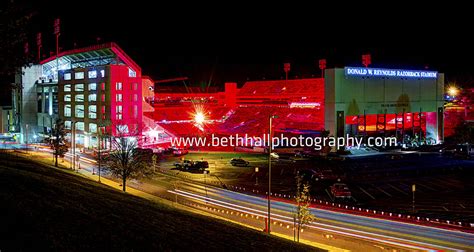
{"x": 274, "y": 155}
{"x": 326, "y": 174}
{"x": 189, "y": 165}
{"x": 340, "y": 190}
{"x": 201, "y": 165}
{"x": 185, "y": 164}
{"x": 238, "y": 162}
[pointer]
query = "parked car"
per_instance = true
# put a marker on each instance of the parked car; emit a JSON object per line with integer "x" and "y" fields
{"x": 239, "y": 162}
{"x": 340, "y": 190}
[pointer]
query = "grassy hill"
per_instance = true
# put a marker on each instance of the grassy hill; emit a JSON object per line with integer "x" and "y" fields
{"x": 50, "y": 209}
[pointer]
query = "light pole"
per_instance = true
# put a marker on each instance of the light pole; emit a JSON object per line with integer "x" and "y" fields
{"x": 26, "y": 140}
{"x": 413, "y": 189}
{"x": 270, "y": 170}
{"x": 73, "y": 139}
{"x": 256, "y": 176}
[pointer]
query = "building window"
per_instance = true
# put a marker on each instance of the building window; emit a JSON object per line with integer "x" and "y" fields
{"x": 79, "y": 87}
{"x": 79, "y": 75}
{"x": 92, "y": 74}
{"x": 118, "y": 112}
{"x": 118, "y": 86}
{"x": 67, "y": 124}
{"x": 67, "y": 110}
{"x": 135, "y": 86}
{"x": 135, "y": 111}
{"x": 67, "y": 76}
{"x": 92, "y": 127}
{"x": 67, "y": 97}
{"x": 92, "y": 86}
{"x": 79, "y": 111}
{"x": 79, "y": 98}
{"x": 135, "y": 97}
{"x": 79, "y": 126}
{"x": 92, "y": 98}
{"x": 102, "y": 86}
{"x": 67, "y": 88}
{"x": 102, "y": 73}
{"x": 131, "y": 73}
{"x": 118, "y": 97}
{"x": 92, "y": 112}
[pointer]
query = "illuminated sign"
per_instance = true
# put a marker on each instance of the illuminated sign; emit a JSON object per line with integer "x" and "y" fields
{"x": 381, "y": 72}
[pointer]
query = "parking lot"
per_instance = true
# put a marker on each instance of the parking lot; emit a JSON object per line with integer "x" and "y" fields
{"x": 444, "y": 186}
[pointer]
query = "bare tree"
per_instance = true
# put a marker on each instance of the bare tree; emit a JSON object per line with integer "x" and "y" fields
{"x": 303, "y": 215}
{"x": 126, "y": 160}
{"x": 57, "y": 141}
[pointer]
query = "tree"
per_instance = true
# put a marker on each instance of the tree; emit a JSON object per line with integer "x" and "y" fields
{"x": 57, "y": 141}
{"x": 126, "y": 160}
{"x": 303, "y": 215}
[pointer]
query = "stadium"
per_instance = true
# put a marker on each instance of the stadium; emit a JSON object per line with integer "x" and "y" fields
{"x": 408, "y": 106}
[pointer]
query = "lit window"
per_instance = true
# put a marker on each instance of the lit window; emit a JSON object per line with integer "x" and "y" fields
{"x": 67, "y": 88}
{"x": 92, "y": 86}
{"x": 67, "y": 97}
{"x": 79, "y": 87}
{"x": 118, "y": 97}
{"x": 92, "y": 112}
{"x": 67, "y": 111}
{"x": 92, "y": 74}
{"x": 102, "y": 73}
{"x": 79, "y": 98}
{"x": 131, "y": 73}
{"x": 79, "y": 75}
{"x": 135, "y": 97}
{"x": 79, "y": 111}
{"x": 92, "y": 127}
{"x": 118, "y": 86}
{"x": 67, "y": 76}
{"x": 79, "y": 125}
{"x": 102, "y": 86}
{"x": 92, "y": 98}
{"x": 118, "y": 112}
{"x": 102, "y": 98}
{"x": 134, "y": 86}
{"x": 67, "y": 124}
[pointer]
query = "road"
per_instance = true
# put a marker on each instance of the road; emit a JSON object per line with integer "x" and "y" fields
{"x": 330, "y": 230}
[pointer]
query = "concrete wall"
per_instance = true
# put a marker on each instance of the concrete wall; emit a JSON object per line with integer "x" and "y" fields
{"x": 30, "y": 75}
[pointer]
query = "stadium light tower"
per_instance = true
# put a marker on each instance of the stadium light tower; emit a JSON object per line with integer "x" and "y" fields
{"x": 453, "y": 91}
{"x": 270, "y": 170}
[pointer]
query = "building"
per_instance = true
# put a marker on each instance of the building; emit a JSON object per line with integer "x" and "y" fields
{"x": 407, "y": 104}
{"x": 96, "y": 89}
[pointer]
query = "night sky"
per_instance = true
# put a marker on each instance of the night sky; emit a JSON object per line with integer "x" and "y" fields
{"x": 234, "y": 41}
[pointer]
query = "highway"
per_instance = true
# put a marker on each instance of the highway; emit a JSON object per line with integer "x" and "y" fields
{"x": 331, "y": 230}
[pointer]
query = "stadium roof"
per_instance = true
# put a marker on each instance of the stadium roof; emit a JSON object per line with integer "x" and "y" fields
{"x": 103, "y": 54}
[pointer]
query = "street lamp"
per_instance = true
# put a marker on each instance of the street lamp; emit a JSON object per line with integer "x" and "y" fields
{"x": 256, "y": 176}
{"x": 270, "y": 169}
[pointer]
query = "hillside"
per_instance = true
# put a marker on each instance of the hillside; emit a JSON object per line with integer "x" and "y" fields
{"x": 50, "y": 209}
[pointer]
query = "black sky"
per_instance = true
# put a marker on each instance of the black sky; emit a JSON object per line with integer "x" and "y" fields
{"x": 235, "y": 41}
